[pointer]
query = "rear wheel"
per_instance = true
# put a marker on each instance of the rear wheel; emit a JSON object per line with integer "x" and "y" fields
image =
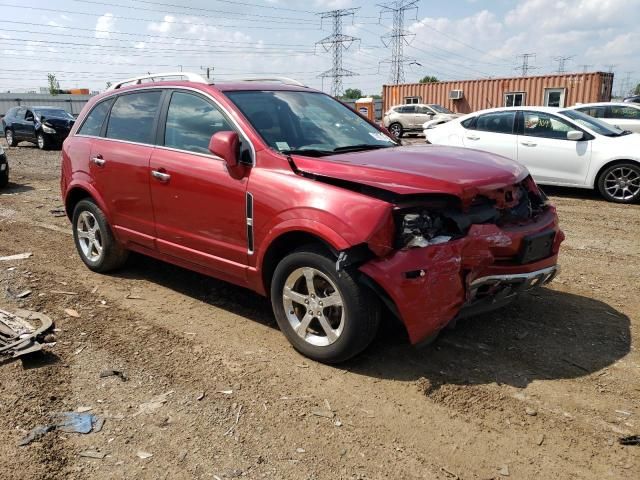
{"x": 326, "y": 315}
{"x": 396, "y": 129}
{"x": 620, "y": 183}
{"x": 94, "y": 239}
{"x": 10, "y": 138}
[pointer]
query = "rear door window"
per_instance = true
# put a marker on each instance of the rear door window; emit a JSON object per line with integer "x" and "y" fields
{"x": 496, "y": 122}
{"x": 133, "y": 117}
{"x": 93, "y": 124}
{"x": 191, "y": 121}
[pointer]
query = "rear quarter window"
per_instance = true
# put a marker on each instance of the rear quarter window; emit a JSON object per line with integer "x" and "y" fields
{"x": 94, "y": 121}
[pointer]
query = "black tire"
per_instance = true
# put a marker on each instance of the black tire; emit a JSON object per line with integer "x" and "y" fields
{"x": 113, "y": 255}
{"x": 42, "y": 141}
{"x": 10, "y": 137}
{"x": 4, "y": 177}
{"x": 360, "y": 310}
{"x": 396, "y": 129}
{"x": 627, "y": 175}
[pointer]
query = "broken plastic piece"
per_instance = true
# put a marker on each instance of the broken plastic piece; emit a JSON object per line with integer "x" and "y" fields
{"x": 632, "y": 440}
{"x": 18, "y": 335}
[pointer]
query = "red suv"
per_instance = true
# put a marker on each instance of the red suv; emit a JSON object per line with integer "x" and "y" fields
{"x": 282, "y": 189}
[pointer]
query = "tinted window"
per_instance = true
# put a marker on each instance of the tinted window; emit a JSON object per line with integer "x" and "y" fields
{"x": 424, "y": 110}
{"x": 469, "y": 122}
{"x": 596, "y": 112}
{"x": 191, "y": 121}
{"x": 53, "y": 113}
{"x": 497, "y": 122}
{"x": 538, "y": 124}
{"x": 408, "y": 109}
{"x": 93, "y": 124}
{"x": 132, "y": 117}
{"x": 624, "y": 112}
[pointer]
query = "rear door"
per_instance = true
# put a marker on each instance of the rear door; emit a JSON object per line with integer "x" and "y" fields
{"x": 120, "y": 164}
{"x": 199, "y": 205}
{"x": 493, "y": 132}
{"x": 544, "y": 149}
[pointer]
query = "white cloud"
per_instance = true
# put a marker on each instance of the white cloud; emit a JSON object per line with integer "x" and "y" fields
{"x": 104, "y": 25}
{"x": 164, "y": 26}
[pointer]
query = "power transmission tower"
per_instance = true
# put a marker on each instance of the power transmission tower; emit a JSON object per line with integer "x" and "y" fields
{"x": 625, "y": 86}
{"x": 562, "y": 61}
{"x": 209, "y": 71}
{"x": 397, "y": 38}
{"x": 336, "y": 43}
{"x": 585, "y": 67}
{"x": 525, "y": 67}
{"x": 610, "y": 67}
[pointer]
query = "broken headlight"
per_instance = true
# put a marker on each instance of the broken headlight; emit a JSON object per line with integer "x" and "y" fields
{"x": 421, "y": 229}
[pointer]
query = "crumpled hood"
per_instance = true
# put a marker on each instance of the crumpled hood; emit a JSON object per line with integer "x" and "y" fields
{"x": 419, "y": 169}
{"x": 56, "y": 122}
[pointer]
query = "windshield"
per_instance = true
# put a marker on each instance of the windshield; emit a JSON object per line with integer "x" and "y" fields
{"x": 307, "y": 123}
{"x": 53, "y": 113}
{"x": 440, "y": 108}
{"x": 594, "y": 124}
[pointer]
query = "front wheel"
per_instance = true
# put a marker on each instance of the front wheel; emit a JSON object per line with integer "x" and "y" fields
{"x": 620, "y": 183}
{"x": 41, "y": 140}
{"x": 94, "y": 240}
{"x": 396, "y": 130}
{"x": 10, "y": 138}
{"x": 326, "y": 315}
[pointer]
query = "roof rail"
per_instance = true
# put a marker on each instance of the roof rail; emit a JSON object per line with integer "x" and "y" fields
{"x": 191, "y": 77}
{"x": 283, "y": 80}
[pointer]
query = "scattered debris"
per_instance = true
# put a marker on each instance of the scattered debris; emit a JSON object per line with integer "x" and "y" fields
{"x": 182, "y": 456}
{"x": 200, "y": 396}
{"x": 449, "y": 473}
{"x": 232, "y": 428}
{"x": 19, "y": 256}
{"x": 532, "y": 412}
{"x": 144, "y": 455}
{"x": 92, "y": 454}
{"x": 58, "y": 212}
{"x": 226, "y": 392}
{"x": 78, "y": 351}
{"x": 72, "y": 313}
{"x": 23, "y": 294}
{"x": 114, "y": 373}
{"x": 35, "y": 434}
{"x": 63, "y": 292}
{"x": 130, "y": 296}
{"x": 98, "y": 424}
{"x": 154, "y": 404}
{"x": 322, "y": 413}
{"x": 300, "y": 450}
{"x": 68, "y": 422}
{"x": 18, "y": 336}
{"x": 84, "y": 409}
{"x": 632, "y": 440}
{"x": 623, "y": 412}
{"x": 504, "y": 471}
{"x": 540, "y": 439}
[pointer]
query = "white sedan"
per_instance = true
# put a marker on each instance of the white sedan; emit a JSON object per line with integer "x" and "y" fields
{"x": 561, "y": 147}
{"x": 623, "y": 115}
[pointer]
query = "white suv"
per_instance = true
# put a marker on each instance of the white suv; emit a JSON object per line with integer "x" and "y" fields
{"x": 411, "y": 118}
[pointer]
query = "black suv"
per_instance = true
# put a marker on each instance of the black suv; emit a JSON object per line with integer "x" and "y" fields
{"x": 4, "y": 168}
{"x": 47, "y": 127}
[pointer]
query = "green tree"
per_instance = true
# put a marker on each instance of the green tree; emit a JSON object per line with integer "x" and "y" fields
{"x": 429, "y": 79}
{"x": 637, "y": 90}
{"x": 352, "y": 94}
{"x": 54, "y": 85}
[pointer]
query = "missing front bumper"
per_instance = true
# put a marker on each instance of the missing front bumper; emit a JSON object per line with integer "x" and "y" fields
{"x": 494, "y": 291}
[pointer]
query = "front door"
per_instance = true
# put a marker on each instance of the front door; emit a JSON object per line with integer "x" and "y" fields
{"x": 423, "y": 114}
{"x": 554, "y": 97}
{"x": 199, "y": 206}
{"x": 119, "y": 165}
{"x": 544, "y": 149}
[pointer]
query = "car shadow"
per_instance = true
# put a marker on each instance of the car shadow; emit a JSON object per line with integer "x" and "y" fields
{"x": 14, "y": 188}
{"x": 570, "y": 192}
{"x": 547, "y": 334}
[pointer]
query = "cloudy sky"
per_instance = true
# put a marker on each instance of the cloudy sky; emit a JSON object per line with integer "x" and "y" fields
{"x": 89, "y": 42}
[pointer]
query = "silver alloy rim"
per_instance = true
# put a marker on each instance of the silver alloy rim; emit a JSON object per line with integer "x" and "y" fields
{"x": 89, "y": 236}
{"x": 9, "y": 137}
{"x": 395, "y": 130}
{"x": 622, "y": 183}
{"x": 313, "y": 306}
{"x": 41, "y": 141}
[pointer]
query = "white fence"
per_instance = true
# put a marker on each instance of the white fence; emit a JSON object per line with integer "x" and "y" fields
{"x": 71, "y": 103}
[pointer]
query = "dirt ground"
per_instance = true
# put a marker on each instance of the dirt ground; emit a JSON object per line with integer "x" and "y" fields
{"x": 541, "y": 389}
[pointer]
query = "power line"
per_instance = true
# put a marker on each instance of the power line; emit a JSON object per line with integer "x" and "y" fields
{"x": 562, "y": 61}
{"x": 336, "y": 43}
{"x": 610, "y": 67}
{"x": 585, "y": 67}
{"x": 397, "y": 38}
{"x": 525, "y": 67}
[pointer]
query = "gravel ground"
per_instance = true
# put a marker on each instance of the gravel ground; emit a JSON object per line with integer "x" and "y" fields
{"x": 541, "y": 389}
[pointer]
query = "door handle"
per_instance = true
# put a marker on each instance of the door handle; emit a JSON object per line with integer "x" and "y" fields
{"x": 160, "y": 176}
{"x": 98, "y": 160}
{"x": 473, "y": 137}
{"x": 528, "y": 144}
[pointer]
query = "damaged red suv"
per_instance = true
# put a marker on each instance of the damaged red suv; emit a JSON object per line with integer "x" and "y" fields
{"x": 282, "y": 189}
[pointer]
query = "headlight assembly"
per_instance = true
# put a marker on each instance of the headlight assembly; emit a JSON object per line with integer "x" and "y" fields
{"x": 47, "y": 129}
{"x": 421, "y": 229}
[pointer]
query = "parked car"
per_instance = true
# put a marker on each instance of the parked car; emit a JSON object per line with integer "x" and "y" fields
{"x": 333, "y": 221}
{"x": 410, "y": 118}
{"x": 561, "y": 147}
{"x": 632, "y": 99}
{"x": 4, "y": 168}
{"x": 626, "y": 116}
{"x": 47, "y": 127}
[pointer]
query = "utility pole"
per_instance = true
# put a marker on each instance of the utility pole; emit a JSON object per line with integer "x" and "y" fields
{"x": 585, "y": 67}
{"x": 626, "y": 85}
{"x": 209, "y": 71}
{"x": 397, "y": 38}
{"x": 610, "y": 67}
{"x": 562, "y": 61}
{"x": 336, "y": 43}
{"x": 525, "y": 68}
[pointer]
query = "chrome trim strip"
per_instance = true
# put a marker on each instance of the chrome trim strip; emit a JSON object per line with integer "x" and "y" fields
{"x": 249, "y": 216}
{"x": 517, "y": 277}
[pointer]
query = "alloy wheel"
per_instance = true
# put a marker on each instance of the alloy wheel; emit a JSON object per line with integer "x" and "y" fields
{"x": 41, "y": 141}
{"x": 622, "y": 183}
{"x": 395, "y": 130}
{"x": 9, "y": 137}
{"x": 89, "y": 236}
{"x": 314, "y": 306}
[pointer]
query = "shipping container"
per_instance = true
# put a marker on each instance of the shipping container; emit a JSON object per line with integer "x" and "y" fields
{"x": 465, "y": 96}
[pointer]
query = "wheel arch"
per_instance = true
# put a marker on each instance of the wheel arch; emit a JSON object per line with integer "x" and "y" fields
{"x": 79, "y": 192}
{"x": 601, "y": 170}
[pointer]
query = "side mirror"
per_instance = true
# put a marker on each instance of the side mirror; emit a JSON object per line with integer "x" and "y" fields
{"x": 226, "y": 145}
{"x": 574, "y": 135}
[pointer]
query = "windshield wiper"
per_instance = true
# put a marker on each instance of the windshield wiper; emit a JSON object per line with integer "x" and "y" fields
{"x": 309, "y": 152}
{"x": 362, "y": 146}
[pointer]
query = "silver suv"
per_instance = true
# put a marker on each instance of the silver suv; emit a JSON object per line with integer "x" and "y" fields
{"x": 410, "y": 118}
